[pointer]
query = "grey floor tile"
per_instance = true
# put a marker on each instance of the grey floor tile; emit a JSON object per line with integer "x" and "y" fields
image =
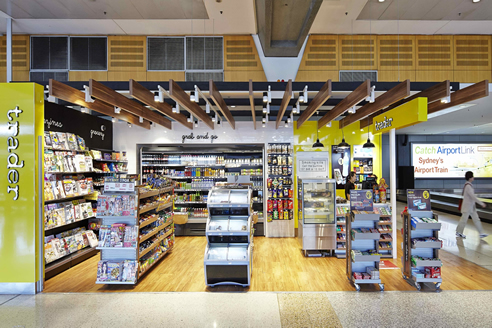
{"x": 5, "y": 298}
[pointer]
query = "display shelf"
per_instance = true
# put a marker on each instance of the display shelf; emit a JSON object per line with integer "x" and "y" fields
{"x": 61, "y": 263}
{"x": 114, "y": 283}
{"x": 432, "y": 280}
{"x": 427, "y": 226}
{"x": 427, "y": 244}
{"x": 154, "y": 231}
{"x": 276, "y": 154}
{"x": 199, "y": 202}
{"x": 341, "y": 240}
{"x": 366, "y": 281}
{"x": 386, "y": 239}
{"x": 116, "y": 248}
{"x": 109, "y": 160}
{"x": 154, "y": 192}
{"x": 384, "y": 223}
{"x": 53, "y": 149}
{"x": 110, "y": 172}
{"x": 155, "y": 261}
{"x": 427, "y": 263}
{"x": 69, "y": 172}
{"x": 68, "y": 224}
{"x": 153, "y": 207}
{"x": 199, "y": 189}
{"x": 67, "y": 198}
{"x": 184, "y": 178}
{"x": 155, "y": 244}
{"x": 366, "y": 258}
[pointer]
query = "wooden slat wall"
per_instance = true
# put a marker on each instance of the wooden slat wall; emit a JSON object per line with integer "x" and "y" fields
{"x": 357, "y": 52}
{"x": 320, "y": 59}
{"x": 241, "y": 60}
{"x": 20, "y": 58}
{"x": 127, "y": 58}
{"x": 434, "y": 60}
{"x": 472, "y": 58}
{"x": 396, "y": 57}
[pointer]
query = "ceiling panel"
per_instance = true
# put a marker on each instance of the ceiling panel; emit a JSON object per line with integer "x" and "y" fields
{"x": 418, "y": 9}
{"x": 66, "y": 26}
{"x": 441, "y": 9}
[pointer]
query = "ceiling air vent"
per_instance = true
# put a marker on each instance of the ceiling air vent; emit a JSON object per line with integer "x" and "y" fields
{"x": 358, "y": 76}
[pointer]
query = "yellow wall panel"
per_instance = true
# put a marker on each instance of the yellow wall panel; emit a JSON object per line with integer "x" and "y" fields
{"x": 240, "y": 54}
{"x": 472, "y": 52}
{"x": 396, "y": 51}
{"x": 321, "y": 53}
{"x": 165, "y": 76}
{"x": 396, "y": 76}
{"x": 434, "y": 76}
{"x": 87, "y": 75}
{"x": 127, "y": 53}
{"x": 434, "y": 52}
{"x": 126, "y": 76}
{"x": 317, "y": 76}
{"x": 242, "y": 76}
{"x": 357, "y": 52}
{"x": 472, "y": 76}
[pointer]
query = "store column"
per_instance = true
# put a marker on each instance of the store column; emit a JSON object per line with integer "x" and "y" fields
{"x": 21, "y": 195}
{"x": 392, "y": 142}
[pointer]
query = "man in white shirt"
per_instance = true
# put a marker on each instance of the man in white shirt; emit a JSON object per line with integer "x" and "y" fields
{"x": 468, "y": 208}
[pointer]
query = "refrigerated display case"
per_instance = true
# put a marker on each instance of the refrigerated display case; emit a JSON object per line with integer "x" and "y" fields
{"x": 317, "y": 226}
{"x": 229, "y": 231}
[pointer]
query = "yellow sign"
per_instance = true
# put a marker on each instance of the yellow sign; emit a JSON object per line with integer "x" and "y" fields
{"x": 410, "y": 113}
{"x": 21, "y": 202}
{"x": 368, "y": 194}
{"x": 426, "y": 194}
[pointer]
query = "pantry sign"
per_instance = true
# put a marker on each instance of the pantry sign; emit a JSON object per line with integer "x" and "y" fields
{"x": 410, "y": 113}
{"x": 451, "y": 160}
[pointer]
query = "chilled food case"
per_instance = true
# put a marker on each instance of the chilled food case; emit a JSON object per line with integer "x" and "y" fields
{"x": 229, "y": 233}
{"x": 317, "y": 226}
{"x": 227, "y": 264}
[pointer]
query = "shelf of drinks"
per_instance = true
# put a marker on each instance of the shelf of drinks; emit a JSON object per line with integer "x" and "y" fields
{"x": 199, "y": 189}
{"x": 279, "y": 175}
{"x": 227, "y": 166}
{"x": 155, "y": 261}
{"x": 110, "y": 160}
{"x": 155, "y": 244}
{"x": 190, "y": 152}
{"x": 68, "y": 224}
{"x": 279, "y": 165}
{"x": 66, "y": 198}
{"x": 152, "y": 207}
{"x": 154, "y": 231}
{"x": 181, "y": 178}
{"x": 273, "y": 198}
{"x": 155, "y": 192}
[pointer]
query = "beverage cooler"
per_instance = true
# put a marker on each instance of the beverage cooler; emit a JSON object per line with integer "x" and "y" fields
{"x": 229, "y": 232}
{"x": 317, "y": 218}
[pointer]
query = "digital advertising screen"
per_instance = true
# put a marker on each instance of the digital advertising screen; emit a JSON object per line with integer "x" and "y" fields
{"x": 451, "y": 160}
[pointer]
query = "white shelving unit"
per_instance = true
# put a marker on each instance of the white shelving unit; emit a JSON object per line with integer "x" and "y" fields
{"x": 340, "y": 251}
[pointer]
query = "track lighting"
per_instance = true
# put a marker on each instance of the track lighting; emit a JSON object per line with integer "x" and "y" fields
{"x": 218, "y": 123}
{"x": 288, "y": 120}
{"x": 192, "y": 96}
{"x": 140, "y": 119}
{"x": 269, "y": 94}
{"x": 328, "y": 125}
{"x": 129, "y": 125}
{"x": 176, "y": 109}
{"x": 197, "y": 95}
{"x": 268, "y": 108}
{"x": 286, "y": 124}
{"x": 446, "y": 100}
{"x": 265, "y": 97}
{"x": 301, "y": 97}
{"x": 207, "y": 108}
{"x": 263, "y": 120}
{"x": 88, "y": 98}
{"x": 213, "y": 119}
{"x": 190, "y": 119}
{"x": 372, "y": 97}
{"x": 263, "y": 125}
{"x": 113, "y": 120}
{"x": 305, "y": 96}
{"x": 196, "y": 124}
{"x": 117, "y": 110}
{"x": 152, "y": 125}
{"x": 298, "y": 108}
{"x": 352, "y": 110}
{"x": 264, "y": 110}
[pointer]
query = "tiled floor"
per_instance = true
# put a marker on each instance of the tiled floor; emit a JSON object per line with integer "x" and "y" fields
{"x": 473, "y": 248}
{"x": 253, "y": 309}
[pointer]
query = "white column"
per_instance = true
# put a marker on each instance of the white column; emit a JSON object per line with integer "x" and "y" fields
{"x": 9, "y": 49}
{"x": 392, "y": 144}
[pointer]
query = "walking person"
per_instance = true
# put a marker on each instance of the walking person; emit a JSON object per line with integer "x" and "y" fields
{"x": 468, "y": 207}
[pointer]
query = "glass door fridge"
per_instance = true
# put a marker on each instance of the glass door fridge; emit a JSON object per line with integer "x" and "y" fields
{"x": 317, "y": 226}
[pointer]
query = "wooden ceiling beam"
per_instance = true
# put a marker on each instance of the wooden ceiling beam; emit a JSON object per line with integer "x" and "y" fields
{"x": 362, "y": 92}
{"x": 109, "y": 96}
{"x": 183, "y": 99}
{"x": 144, "y": 95}
{"x": 391, "y": 96}
{"x": 252, "y": 103}
{"x": 321, "y": 97}
{"x": 434, "y": 93}
{"x": 67, "y": 93}
{"x": 284, "y": 103}
{"x": 220, "y": 103}
{"x": 473, "y": 92}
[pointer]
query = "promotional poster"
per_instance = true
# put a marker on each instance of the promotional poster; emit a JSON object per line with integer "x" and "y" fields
{"x": 361, "y": 200}
{"x": 340, "y": 163}
{"x": 418, "y": 200}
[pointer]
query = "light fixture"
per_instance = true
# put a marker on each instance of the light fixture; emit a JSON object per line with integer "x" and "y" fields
{"x": 368, "y": 144}
{"x": 117, "y": 110}
{"x": 192, "y": 96}
{"x": 328, "y": 125}
{"x": 190, "y": 119}
{"x": 343, "y": 144}
{"x": 156, "y": 98}
{"x": 140, "y": 119}
{"x": 298, "y": 108}
{"x": 197, "y": 95}
{"x": 352, "y": 110}
{"x": 88, "y": 97}
{"x": 372, "y": 97}
{"x": 196, "y": 124}
{"x": 475, "y": 1}
{"x": 207, "y": 108}
{"x": 306, "y": 96}
{"x": 176, "y": 109}
{"x": 286, "y": 123}
{"x": 213, "y": 119}
{"x": 113, "y": 120}
{"x": 218, "y": 122}
{"x": 152, "y": 125}
{"x": 446, "y": 100}
{"x": 381, "y": 0}
{"x": 301, "y": 98}
{"x": 289, "y": 120}
{"x": 264, "y": 110}
{"x": 129, "y": 125}
{"x": 265, "y": 97}
{"x": 317, "y": 144}
{"x": 263, "y": 125}
{"x": 233, "y": 106}
{"x": 268, "y": 108}
{"x": 269, "y": 94}
{"x": 263, "y": 120}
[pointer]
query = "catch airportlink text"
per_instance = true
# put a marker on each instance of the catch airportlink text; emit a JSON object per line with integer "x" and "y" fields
{"x": 441, "y": 150}
{"x": 444, "y": 150}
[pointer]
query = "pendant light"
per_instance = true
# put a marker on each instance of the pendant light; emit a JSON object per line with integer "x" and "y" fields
{"x": 368, "y": 144}
{"x": 343, "y": 144}
{"x": 317, "y": 144}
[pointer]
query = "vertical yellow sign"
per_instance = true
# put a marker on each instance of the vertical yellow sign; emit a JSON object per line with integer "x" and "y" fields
{"x": 21, "y": 203}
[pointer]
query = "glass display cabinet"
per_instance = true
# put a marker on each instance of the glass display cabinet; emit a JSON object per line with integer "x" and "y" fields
{"x": 229, "y": 251}
{"x": 317, "y": 217}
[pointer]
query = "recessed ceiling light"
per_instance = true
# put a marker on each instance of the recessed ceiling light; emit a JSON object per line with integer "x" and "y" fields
{"x": 474, "y": 1}
{"x": 233, "y": 106}
{"x": 381, "y": 0}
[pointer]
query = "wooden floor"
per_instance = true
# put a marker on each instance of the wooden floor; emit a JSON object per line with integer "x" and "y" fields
{"x": 278, "y": 265}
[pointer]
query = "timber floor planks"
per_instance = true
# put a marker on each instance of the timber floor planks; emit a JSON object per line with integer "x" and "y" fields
{"x": 278, "y": 265}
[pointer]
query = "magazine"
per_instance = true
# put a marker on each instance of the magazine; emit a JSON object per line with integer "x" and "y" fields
{"x": 55, "y": 142}
{"x": 105, "y": 236}
{"x": 117, "y": 234}
{"x": 62, "y": 140}
{"x": 129, "y": 271}
{"x": 47, "y": 140}
{"x": 114, "y": 271}
{"x": 91, "y": 236}
{"x": 81, "y": 143}
{"x": 69, "y": 214}
{"x": 102, "y": 271}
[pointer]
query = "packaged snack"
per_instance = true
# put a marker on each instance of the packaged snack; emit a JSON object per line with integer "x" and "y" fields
{"x": 290, "y": 204}
{"x": 280, "y": 206}
{"x": 270, "y": 205}
{"x": 286, "y": 215}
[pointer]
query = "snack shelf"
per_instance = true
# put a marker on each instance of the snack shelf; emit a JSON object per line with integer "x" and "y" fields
{"x": 155, "y": 244}
{"x": 109, "y": 160}
{"x": 66, "y": 198}
{"x": 152, "y": 207}
{"x": 154, "y": 192}
{"x": 154, "y": 231}
{"x": 155, "y": 261}
{"x": 68, "y": 224}
{"x": 279, "y": 154}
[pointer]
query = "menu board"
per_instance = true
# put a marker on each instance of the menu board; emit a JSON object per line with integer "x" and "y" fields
{"x": 418, "y": 200}
{"x": 361, "y": 200}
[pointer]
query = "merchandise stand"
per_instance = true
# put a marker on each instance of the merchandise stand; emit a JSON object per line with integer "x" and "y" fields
{"x": 385, "y": 227}
{"x": 362, "y": 242}
{"x": 342, "y": 211}
{"x": 424, "y": 249}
